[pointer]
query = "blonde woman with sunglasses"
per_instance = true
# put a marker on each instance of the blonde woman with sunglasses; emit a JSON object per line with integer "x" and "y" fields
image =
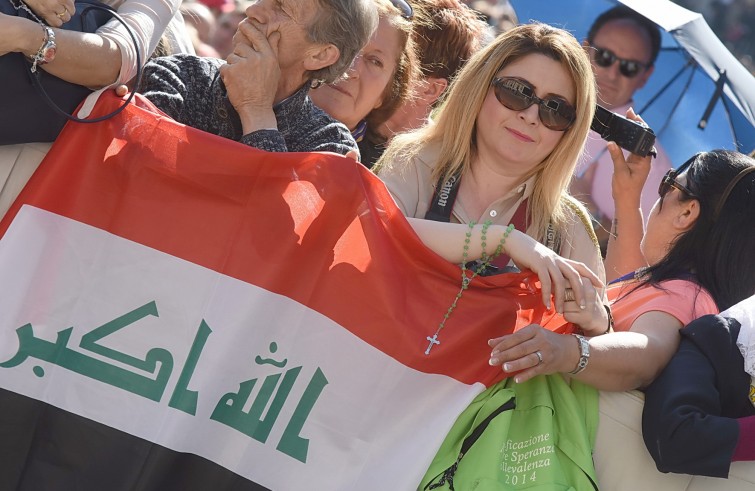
{"x": 694, "y": 259}
{"x": 506, "y": 140}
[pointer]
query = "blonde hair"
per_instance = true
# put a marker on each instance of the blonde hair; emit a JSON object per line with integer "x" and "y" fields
{"x": 454, "y": 125}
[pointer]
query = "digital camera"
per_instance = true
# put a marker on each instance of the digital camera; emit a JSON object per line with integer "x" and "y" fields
{"x": 630, "y": 135}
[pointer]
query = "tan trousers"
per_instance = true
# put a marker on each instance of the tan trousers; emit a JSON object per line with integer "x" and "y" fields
{"x": 623, "y": 463}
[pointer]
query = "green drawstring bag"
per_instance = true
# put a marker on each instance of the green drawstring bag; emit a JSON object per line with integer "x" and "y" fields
{"x": 537, "y": 435}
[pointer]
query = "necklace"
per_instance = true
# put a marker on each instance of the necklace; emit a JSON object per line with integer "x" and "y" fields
{"x": 22, "y": 6}
{"x": 634, "y": 275}
{"x": 466, "y": 280}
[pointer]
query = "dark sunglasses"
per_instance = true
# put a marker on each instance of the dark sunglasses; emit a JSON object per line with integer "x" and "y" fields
{"x": 605, "y": 58}
{"x": 669, "y": 181}
{"x": 404, "y": 7}
{"x": 516, "y": 94}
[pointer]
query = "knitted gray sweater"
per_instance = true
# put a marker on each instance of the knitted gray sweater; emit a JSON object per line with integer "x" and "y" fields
{"x": 189, "y": 89}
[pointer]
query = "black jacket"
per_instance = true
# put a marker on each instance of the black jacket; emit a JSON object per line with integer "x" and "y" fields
{"x": 689, "y": 420}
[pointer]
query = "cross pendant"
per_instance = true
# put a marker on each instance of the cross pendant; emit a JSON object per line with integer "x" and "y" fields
{"x": 433, "y": 340}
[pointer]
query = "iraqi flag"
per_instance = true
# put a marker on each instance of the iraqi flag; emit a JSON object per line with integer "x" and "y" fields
{"x": 183, "y": 312}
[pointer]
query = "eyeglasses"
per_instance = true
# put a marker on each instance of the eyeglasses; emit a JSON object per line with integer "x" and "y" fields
{"x": 669, "y": 181}
{"x": 605, "y": 58}
{"x": 404, "y": 7}
{"x": 516, "y": 94}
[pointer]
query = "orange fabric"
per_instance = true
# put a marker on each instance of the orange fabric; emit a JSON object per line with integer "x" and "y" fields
{"x": 683, "y": 299}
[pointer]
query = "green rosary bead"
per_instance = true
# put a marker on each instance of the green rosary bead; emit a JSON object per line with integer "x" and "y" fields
{"x": 485, "y": 261}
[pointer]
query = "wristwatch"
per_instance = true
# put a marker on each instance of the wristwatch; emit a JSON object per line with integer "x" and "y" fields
{"x": 46, "y": 52}
{"x": 584, "y": 353}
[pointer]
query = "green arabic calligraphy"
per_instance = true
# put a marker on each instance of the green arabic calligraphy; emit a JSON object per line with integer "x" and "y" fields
{"x": 182, "y": 398}
{"x": 59, "y": 354}
{"x": 230, "y": 409}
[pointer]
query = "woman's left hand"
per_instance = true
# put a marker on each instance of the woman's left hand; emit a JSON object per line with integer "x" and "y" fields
{"x": 554, "y": 272}
{"x": 54, "y": 12}
{"x": 593, "y": 318}
{"x": 534, "y": 350}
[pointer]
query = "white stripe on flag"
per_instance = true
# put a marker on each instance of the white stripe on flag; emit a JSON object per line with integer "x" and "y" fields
{"x": 374, "y": 423}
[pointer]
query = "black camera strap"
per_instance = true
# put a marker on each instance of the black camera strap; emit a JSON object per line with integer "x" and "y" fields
{"x": 443, "y": 200}
{"x": 442, "y": 205}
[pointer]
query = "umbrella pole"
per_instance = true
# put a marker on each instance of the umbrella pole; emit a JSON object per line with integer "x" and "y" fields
{"x": 716, "y": 95}
{"x": 731, "y": 124}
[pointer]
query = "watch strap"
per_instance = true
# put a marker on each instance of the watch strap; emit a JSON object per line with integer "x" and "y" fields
{"x": 584, "y": 354}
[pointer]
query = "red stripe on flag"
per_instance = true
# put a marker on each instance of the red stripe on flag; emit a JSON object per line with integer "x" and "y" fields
{"x": 320, "y": 229}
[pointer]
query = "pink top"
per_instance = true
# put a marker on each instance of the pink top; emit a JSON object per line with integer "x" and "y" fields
{"x": 683, "y": 299}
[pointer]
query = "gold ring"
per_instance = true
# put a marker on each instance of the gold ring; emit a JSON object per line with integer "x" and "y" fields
{"x": 61, "y": 15}
{"x": 568, "y": 295}
{"x": 539, "y": 357}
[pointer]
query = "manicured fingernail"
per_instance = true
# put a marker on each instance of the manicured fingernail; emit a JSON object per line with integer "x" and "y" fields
{"x": 517, "y": 379}
{"x": 548, "y": 305}
{"x": 582, "y": 305}
{"x": 491, "y": 342}
{"x": 507, "y": 367}
{"x": 493, "y": 361}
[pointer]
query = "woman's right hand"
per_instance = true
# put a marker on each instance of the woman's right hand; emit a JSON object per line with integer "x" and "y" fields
{"x": 54, "y": 12}
{"x": 555, "y": 272}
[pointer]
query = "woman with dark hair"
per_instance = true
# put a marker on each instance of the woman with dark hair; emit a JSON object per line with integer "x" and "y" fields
{"x": 697, "y": 258}
{"x": 706, "y": 394}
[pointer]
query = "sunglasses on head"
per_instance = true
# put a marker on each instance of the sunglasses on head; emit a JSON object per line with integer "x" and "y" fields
{"x": 605, "y": 58}
{"x": 669, "y": 181}
{"x": 404, "y": 7}
{"x": 516, "y": 94}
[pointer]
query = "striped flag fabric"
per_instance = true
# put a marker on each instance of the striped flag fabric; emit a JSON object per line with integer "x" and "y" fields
{"x": 183, "y": 312}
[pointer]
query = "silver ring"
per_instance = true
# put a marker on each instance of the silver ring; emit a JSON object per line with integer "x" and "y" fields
{"x": 539, "y": 357}
{"x": 568, "y": 295}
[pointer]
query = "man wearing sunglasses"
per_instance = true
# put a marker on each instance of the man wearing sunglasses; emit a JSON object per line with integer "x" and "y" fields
{"x": 623, "y": 46}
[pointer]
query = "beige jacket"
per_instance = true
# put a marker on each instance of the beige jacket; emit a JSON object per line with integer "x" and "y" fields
{"x": 412, "y": 188}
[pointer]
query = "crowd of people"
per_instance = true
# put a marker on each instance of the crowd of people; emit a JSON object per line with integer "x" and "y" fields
{"x": 732, "y": 21}
{"x": 474, "y": 121}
